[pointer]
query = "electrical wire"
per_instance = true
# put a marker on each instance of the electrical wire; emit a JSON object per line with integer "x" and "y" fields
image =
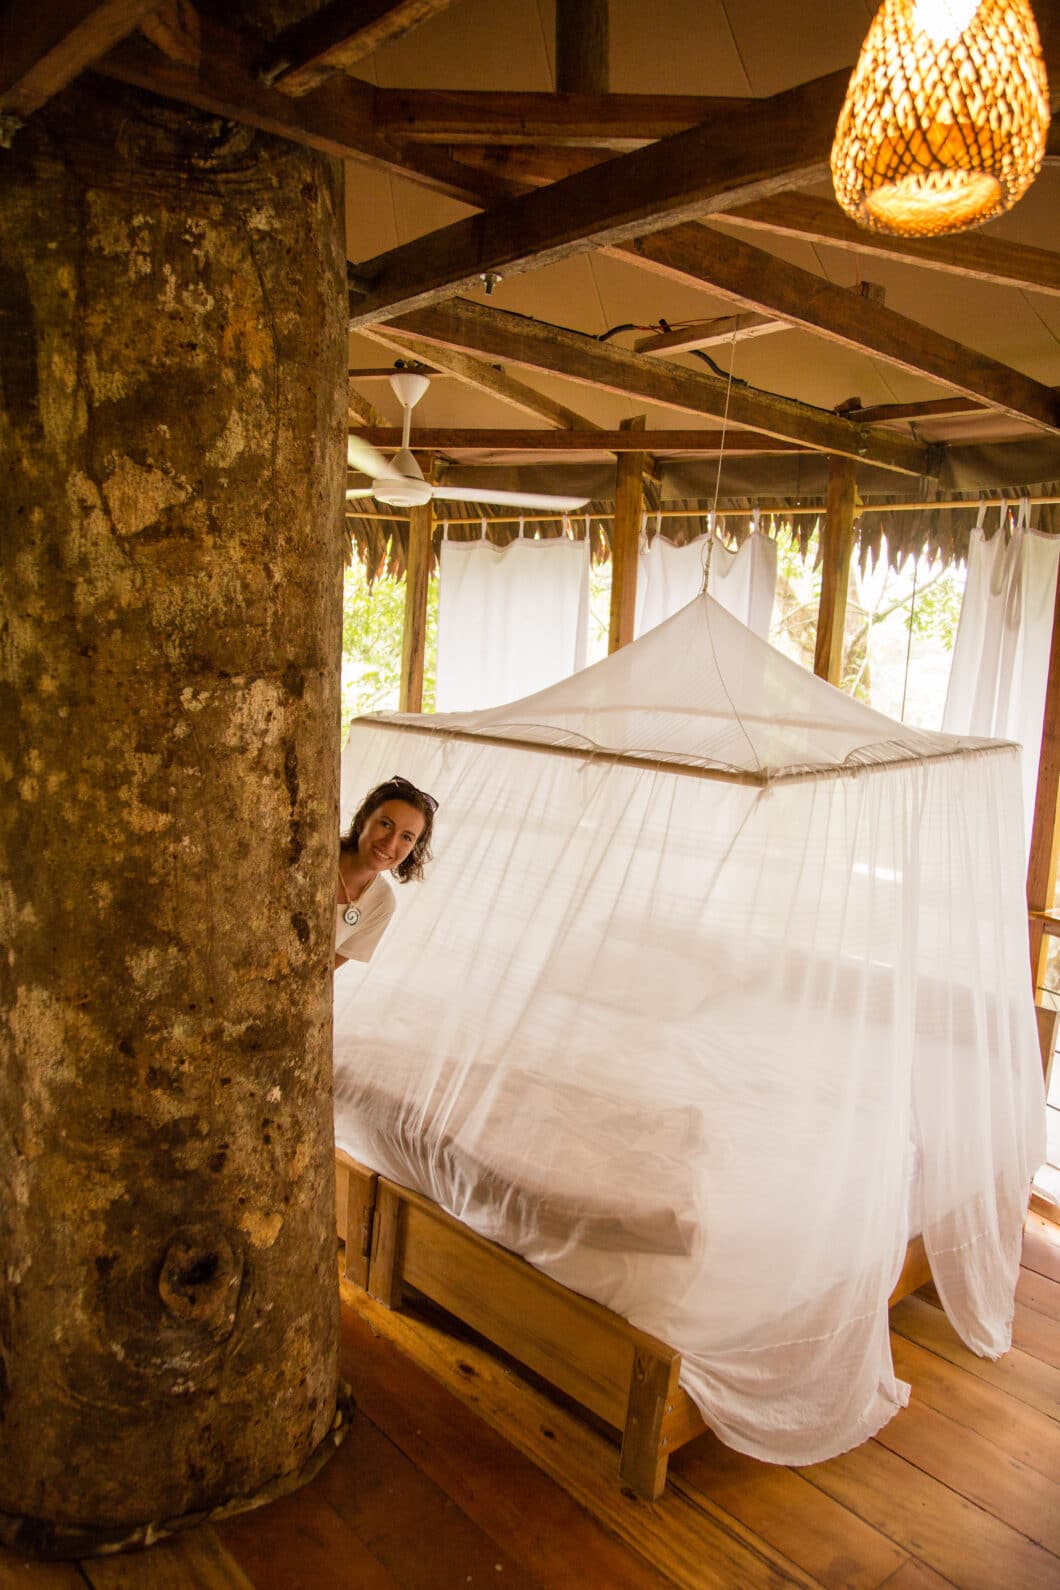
{"x": 723, "y": 375}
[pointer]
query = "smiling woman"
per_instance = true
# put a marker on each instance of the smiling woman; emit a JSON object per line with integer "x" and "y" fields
{"x": 391, "y": 833}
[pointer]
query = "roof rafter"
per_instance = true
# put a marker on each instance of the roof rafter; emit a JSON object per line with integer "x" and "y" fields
{"x": 775, "y": 144}
{"x": 929, "y": 408}
{"x": 761, "y": 281}
{"x": 610, "y": 122}
{"x": 44, "y": 46}
{"x": 336, "y": 118}
{"x": 709, "y": 333}
{"x": 513, "y": 440}
{"x": 337, "y": 37}
{"x": 976, "y": 254}
{"x": 360, "y": 409}
{"x": 534, "y": 344}
{"x": 483, "y": 376}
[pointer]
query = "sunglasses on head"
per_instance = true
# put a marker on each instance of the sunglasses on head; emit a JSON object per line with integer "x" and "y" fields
{"x": 404, "y": 783}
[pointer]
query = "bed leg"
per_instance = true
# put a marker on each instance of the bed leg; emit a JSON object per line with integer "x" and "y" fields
{"x": 384, "y": 1268}
{"x": 645, "y": 1449}
{"x": 359, "y": 1210}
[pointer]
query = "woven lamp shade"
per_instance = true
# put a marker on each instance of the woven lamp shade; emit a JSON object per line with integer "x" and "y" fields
{"x": 945, "y": 120}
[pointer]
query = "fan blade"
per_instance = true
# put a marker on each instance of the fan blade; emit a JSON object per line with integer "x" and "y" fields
{"x": 363, "y": 456}
{"x": 513, "y": 499}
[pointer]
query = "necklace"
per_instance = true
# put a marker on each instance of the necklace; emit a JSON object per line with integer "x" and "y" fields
{"x": 351, "y": 916}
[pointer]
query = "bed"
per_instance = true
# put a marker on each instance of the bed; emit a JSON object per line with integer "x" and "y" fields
{"x": 395, "y": 1240}
{"x": 704, "y": 1037}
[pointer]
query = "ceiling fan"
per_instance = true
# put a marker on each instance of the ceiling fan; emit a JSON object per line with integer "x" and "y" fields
{"x": 399, "y": 482}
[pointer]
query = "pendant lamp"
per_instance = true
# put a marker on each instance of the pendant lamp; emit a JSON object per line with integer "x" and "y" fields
{"x": 946, "y": 116}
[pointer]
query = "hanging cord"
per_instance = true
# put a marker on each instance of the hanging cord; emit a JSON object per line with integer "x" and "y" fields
{"x": 711, "y": 521}
{"x": 717, "y": 479}
{"x": 909, "y": 641}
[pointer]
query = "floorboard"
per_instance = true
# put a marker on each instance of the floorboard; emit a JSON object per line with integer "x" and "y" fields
{"x": 827, "y": 1541}
{"x": 1019, "y": 1374}
{"x": 1041, "y": 1249}
{"x": 1019, "y": 1432}
{"x": 964, "y": 1543}
{"x": 460, "y": 1472}
{"x": 1038, "y": 1292}
{"x": 971, "y": 1465}
{"x": 197, "y": 1558}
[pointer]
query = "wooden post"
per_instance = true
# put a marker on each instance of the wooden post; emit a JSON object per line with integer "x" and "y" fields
{"x": 1045, "y": 830}
{"x": 417, "y": 579}
{"x": 582, "y": 47}
{"x": 646, "y": 1448}
{"x": 384, "y": 1279}
{"x": 172, "y": 370}
{"x": 625, "y": 539}
{"x": 837, "y": 546}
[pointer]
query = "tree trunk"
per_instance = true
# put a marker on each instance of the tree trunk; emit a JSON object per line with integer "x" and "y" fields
{"x": 172, "y": 418}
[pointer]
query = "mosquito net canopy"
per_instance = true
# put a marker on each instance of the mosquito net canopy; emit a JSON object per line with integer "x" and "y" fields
{"x": 715, "y": 994}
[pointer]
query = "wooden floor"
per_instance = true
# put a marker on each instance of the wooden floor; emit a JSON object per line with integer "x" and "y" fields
{"x": 458, "y": 1473}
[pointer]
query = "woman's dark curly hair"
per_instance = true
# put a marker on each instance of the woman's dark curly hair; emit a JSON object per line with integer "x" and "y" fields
{"x": 397, "y": 788}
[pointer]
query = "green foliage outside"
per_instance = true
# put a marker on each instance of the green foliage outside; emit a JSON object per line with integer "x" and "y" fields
{"x": 372, "y": 621}
{"x": 900, "y": 628}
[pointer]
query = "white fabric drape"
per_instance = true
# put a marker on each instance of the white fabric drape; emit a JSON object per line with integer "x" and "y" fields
{"x": 712, "y": 997}
{"x": 511, "y": 620}
{"x": 743, "y": 580}
{"x": 1001, "y": 654}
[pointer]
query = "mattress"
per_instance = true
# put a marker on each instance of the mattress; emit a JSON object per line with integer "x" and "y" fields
{"x": 543, "y": 1155}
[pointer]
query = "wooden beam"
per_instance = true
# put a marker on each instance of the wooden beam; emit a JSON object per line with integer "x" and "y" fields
{"x": 46, "y": 44}
{"x": 929, "y": 408}
{"x": 175, "y": 29}
{"x": 760, "y": 280}
{"x": 337, "y": 118}
{"x": 583, "y": 51}
{"x": 524, "y": 169}
{"x": 536, "y": 345}
{"x": 625, "y": 539}
{"x": 611, "y": 123}
{"x": 975, "y": 254}
{"x": 567, "y": 120}
{"x": 385, "y": 371}
{"x": 482, "y": 376}
{"x": 337, "y": 36}
{"x": 779, "y": 143}
{"x": 837, "y": 544}
{"x": 530, "y": 164}
{"x": 710, "y": 333}
{"x": 417, "y": 579}
{"x": 360, "y": 409}
{"x": 1045, "y": 826}
{"x": 512, "y": 440}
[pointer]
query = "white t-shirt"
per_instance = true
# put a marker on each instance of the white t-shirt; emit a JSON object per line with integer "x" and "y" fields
{"x": 376, "y": 906}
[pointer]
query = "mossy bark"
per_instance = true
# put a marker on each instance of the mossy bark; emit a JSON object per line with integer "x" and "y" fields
{"x": 172, "y": 417}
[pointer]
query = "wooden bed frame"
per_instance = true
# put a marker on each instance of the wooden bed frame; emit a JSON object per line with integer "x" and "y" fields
{"x": 395, "y": 1239}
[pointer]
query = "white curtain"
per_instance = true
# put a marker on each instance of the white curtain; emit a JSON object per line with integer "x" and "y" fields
{"x": 511, "y": 620}
{"x": 669, "y": 577}
{"x": 1001, "y": 655}
{"x": 715, "y": 992}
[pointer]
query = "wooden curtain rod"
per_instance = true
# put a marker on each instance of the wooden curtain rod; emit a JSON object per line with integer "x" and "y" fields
{"x": 652, "y": 764}
{"x": 724, "y": 513}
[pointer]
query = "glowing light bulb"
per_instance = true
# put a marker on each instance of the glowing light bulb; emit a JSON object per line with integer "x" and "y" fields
{"x": 943, "y": 20}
